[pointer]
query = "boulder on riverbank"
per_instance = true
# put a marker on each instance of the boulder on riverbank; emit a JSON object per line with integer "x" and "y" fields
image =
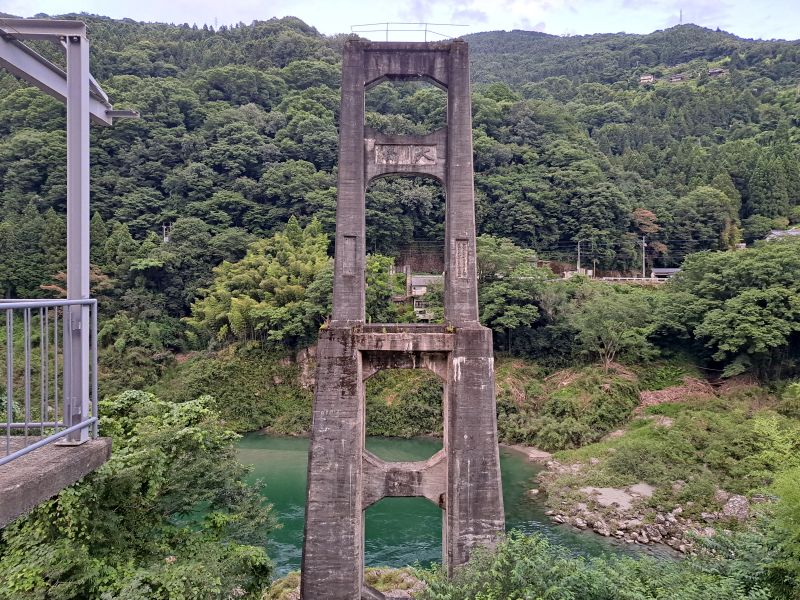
{"x": 625, "y": 514}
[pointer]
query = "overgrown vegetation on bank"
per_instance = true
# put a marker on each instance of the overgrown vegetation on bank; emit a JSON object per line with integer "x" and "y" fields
{"x": 738, "y": 442}
{"x": 744, "y": 567}
{"x": 168, "y": 516}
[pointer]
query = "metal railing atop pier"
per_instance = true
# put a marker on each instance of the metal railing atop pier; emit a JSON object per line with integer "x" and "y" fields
{"x": 49, "y": 376}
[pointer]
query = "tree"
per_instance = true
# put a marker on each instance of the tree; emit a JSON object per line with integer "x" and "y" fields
{"x": 382, "y": 286}
{"x": 301, "y": 74}
{"x": 705, "y": 218}
{"x": 25, "y": 263}
{"x": 508, "y": 285}
{"x": 752, "y": 324}
{"x": 241, "y": 84}
{"x": 748, "y": 301}
{"x": 768, "y": 187}
{"x": 264, "y": 296}
{"x": 612, "y": 325}
{"x": 169, "y": 515}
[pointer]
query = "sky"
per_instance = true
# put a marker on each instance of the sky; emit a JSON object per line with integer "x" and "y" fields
{"x": 764, "y": 19}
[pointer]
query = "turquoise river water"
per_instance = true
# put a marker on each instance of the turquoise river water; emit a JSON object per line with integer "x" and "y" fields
{"x": 399, "y": 531}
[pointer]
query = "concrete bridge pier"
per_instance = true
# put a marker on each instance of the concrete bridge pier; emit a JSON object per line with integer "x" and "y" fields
{"x": 463, "y": 479}
{"x": 474, "y": 509}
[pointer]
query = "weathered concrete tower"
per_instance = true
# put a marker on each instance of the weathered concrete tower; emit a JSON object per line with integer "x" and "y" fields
{"x": 343, "y": 478}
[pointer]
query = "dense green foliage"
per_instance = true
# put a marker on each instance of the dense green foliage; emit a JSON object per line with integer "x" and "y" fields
{"x": 742, "y": 308}
{"x": 403, "y": 403}
{"x": 736, "y": 442}
{"x": 530, "y": 567}
{"x": 238, "y": 133}
{"x": 251, "y": 388}
{"x": 733, "y": 311}
{"x": 168, "y": 517}
{"x": 279, "y": 293}
{"x": 568, "y": 409}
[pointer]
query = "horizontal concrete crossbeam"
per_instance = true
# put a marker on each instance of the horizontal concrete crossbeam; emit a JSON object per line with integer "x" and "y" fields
{"x": 426, "y": 478}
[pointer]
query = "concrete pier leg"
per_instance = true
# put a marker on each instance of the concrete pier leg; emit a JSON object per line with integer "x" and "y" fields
{"x": 474, "y": 510}
{"x": 333, "y": 554}
{"x": 460, "y": 351}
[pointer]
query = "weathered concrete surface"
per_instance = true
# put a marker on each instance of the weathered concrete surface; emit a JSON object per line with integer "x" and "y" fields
{"x": 461, "y": 279}
{"x": 406, "y": 154}
{"x": 43, "y": 473}
{"x": 474, "y": 512}
{"x": 406, "y": 342}
{"x": 343, "y": 479}
{"x": 333, "y": 554}
{"x": 427, "y": 479}
{"x": 435, "y": 362}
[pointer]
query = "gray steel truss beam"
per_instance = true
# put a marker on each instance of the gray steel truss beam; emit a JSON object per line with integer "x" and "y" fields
{"x": 86, "y": 101}
{"x": 29, "y": 65}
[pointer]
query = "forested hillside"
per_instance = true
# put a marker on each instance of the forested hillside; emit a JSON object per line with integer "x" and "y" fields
{"x": 211, "y": 252}
{"x": 239, "y": 132}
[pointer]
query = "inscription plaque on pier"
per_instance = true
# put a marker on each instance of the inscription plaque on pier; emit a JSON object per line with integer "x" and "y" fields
{"x": 405, "y": 154}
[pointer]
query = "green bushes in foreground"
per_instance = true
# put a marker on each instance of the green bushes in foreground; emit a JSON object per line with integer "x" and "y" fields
{"x": 169, "y": 516}
{"x": 529, "y": 567}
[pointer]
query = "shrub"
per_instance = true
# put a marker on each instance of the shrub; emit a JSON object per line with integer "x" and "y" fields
{"x": 252, "y": 389}
{"x": 530, "y": 567}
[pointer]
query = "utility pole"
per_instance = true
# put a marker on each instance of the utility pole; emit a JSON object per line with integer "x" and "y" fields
{"x": 644, "y": 245}
{"x": 578, "y": 266}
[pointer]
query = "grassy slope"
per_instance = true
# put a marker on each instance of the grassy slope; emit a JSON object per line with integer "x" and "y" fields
{"x": 737, "y": 441}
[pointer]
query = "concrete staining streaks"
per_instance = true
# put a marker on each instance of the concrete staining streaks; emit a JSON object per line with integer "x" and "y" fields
{"x": 344, "y": 479}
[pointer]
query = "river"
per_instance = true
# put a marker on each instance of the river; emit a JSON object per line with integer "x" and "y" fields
{"x": 399, "y": 531}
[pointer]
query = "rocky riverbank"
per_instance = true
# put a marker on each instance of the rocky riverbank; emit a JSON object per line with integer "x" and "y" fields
{"x": 628, "y": 513}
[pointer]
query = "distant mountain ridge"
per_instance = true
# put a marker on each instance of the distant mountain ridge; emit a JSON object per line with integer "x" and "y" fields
{"x": 517, "y": 56}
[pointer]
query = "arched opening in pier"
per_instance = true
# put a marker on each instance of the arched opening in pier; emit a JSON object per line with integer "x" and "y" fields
{"x": 405, "y": 221}
{"x": 405, "y": 107}
{"x": 402, "y": 531}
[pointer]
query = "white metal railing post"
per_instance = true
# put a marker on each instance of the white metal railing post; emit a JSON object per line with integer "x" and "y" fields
{"x": 77, "y": 322}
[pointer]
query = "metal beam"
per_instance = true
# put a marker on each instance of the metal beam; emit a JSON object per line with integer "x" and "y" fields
{"x": 86, "y": 101}
{"x": 42, "y": 29}
{"x": 30, "y": 66}
{"x": 76, "y": 329}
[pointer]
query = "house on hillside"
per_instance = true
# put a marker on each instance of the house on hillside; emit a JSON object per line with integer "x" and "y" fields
{"x": 421, "y": 283}
{"x": 717, "y": 71}
{"x": 678, "y": 77}
{"x": 647, "y": 78}
{"x": 663, "y": 272}
{"x": 776, "y": 234}
{"x": 419, "y": 287}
